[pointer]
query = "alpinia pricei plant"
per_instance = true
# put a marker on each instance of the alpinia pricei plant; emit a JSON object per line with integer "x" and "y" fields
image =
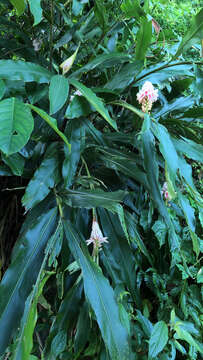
{"x": 100, "y": 139}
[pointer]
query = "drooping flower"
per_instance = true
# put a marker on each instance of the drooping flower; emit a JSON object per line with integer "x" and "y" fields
{"x": 96, "y": 237}
{"x": 147, "y": 95}
{"x": 67, "y": 64}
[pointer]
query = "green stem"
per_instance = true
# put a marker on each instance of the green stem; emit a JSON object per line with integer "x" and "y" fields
{"x": 51, "y": 34}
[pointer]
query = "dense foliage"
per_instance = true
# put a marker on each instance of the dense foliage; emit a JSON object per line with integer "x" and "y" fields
{"x": 87, "y": 164}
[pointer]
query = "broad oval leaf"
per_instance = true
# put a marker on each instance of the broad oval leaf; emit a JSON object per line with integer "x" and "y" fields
{"x": 58, "y": 92}
{"x": 17, "y": 282}
{"x": 16, "y": 125}
{"x": 23, "y": 70}
{"x": 101, "y": 297}
{"x": 95, "y": 101}
{"x": 158, "y": 339}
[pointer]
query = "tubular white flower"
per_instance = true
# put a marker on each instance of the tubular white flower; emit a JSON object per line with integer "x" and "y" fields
{"x": 96, "y": 237}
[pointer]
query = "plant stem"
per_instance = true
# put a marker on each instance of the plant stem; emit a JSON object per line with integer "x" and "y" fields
{"x": 51, "y": 34}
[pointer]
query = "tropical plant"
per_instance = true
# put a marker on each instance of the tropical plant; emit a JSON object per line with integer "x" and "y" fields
{"x": 107, "y": 260}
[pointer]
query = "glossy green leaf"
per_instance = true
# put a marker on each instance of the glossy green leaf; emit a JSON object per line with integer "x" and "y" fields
{"x": 51, "y": 122}
{"x": 18, "y": 280}
{"x": 36, "y": 10}
{"x": 92, "y": 198}
{"x": 58, "y": 92}
{"x": 100, "y": 13}
{"x": 44, "y": 179}
{"x": 125, "y": 76}
{"x": 144, "y": 36}
{"x": 151, "y": 167}
{"x": 167, "y": 149}
{"x": 77, "y": 107}
{"x": 158, "y": 339}
{"x": 145, "y": 323}
{"x": 75, "y": 131}
{"x": 25, "y": 71}
{"x": 100, "y": 296}
{"x": 19, "y": 5}
{"x": 16, "y": 125}
{"x": 103, "y": 61}
{"x": 190, "y": 218}
{"x": 15, "y": 162}
{"x": 28, "y": 322}
{"x": 95, "y": 101}
{"x": 194, "y": 34}
{"x": 117, "y": 251}
{"x": 2, "y": 88}
{"x": 189, "y": 148}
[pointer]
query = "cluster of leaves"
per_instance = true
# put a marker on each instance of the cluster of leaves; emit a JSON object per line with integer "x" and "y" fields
{"x": 94, "y": 153}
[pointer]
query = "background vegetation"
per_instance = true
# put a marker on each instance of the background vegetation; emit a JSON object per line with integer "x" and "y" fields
{"x": 76, "y": 147}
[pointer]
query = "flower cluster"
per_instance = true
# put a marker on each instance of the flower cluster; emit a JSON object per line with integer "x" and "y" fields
{"x": 164, "y": 192}
{"x": 96, "y": 237}
{"x": 147, "y": 95}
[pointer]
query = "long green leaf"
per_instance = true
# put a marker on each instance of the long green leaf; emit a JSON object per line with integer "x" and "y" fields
{"x": 144, "y": 36}
{"x": 95, "y": 101}
{"x": 29, "y": 319}
{"x": 92, "y": 198}
{"x": 101, "y": 297}
{"x": 18, "y": 280}
{"x": 51, "y": 121}
{"x": 167, "y": 149}
{"x": 22, "y": 70}
{"x": 44, "y": 179}
{"x": 16, "y": 125}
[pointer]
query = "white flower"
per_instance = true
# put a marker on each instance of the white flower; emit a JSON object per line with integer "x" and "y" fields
{"x": 147, "y": 95}
{"x": 165, "y": 193}
{"x": 77, "y": 92}
{"x": 96, "y": 237}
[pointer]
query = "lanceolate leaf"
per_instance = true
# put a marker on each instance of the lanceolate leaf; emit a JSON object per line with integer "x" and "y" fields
{"x": 22, "y": 273}
{"x": 16, "y": 125}
{"x": 58, "y": 93}
{"x": 22, "y": 70}
{"x": 167, "y": 149}
{"x": 100, "y": 296}
{"x": 75, "y": 131}
{"x": 51, "y": 121}
{"x": 151, "y": 167}
{"x": 92, "y": 198}
{"x": 44, "y": 179}
{"x": 25, "y": 337}
{"x": 95, "y": 101}
{"x": 143, "y": 38}
{"x": 189, "y": 148}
